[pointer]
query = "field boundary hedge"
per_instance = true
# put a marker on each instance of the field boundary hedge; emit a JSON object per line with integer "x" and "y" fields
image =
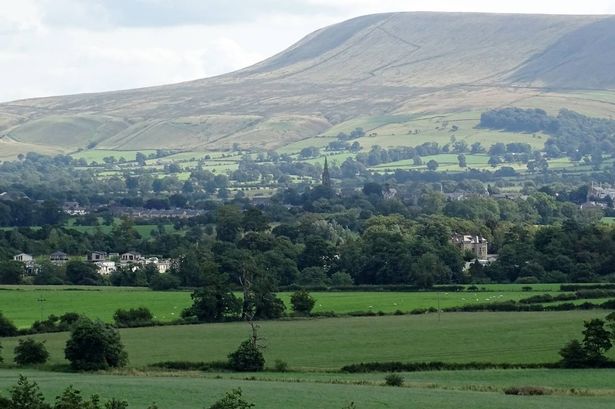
{"x": 365, "y": 367}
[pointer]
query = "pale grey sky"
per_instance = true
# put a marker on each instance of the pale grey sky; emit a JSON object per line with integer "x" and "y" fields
{"x": 52, "y": 47}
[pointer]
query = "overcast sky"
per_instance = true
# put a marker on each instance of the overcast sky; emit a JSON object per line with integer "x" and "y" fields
{"x": 52, "y": 47}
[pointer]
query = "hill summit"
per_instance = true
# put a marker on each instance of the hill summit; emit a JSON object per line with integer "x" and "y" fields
{"x": 384, "y": 64}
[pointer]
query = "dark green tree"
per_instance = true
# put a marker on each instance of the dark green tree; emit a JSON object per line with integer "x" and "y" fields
{"x": 94, "y": 345}
{"x": 232, "y": 400}
{"x": 254, "y": 220}
{"x": 7, "y": 328}
{"x": 247, "y": 358}
{"x": 81, "y": 273}
{"x": 302, "y": 302}
{"x": 596, "y": 341}
{"x": 11, "y": 272}
{"x": 30, "y": 352}
{"x": 573, "y": 355}
{"x": 228, "y": 222}
{"x": 27, "y": 395}
{"x": 433, "y": 165}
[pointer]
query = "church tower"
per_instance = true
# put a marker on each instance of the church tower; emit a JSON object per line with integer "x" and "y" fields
{"x": 326, "y": 177}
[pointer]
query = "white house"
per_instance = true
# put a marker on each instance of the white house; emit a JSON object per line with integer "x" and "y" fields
{"x": 130, "y": 257}
{"x": 105, "y": 267}
{"x": 23, "y": 258}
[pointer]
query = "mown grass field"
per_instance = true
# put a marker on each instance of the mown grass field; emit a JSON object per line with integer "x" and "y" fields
{"x": 198, "y": 391}
{"x": 329, "y": 344}
{"x": 20, "y": 303}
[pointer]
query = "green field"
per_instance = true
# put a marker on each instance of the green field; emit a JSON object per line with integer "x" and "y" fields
{"x": 97, "y": 155}
{"x": 197, "y": 391}
{"x": 20, "y": 304}
{"x": 329, "y": 344}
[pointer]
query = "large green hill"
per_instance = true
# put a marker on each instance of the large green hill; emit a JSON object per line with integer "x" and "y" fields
{"x": 386, "y": 65}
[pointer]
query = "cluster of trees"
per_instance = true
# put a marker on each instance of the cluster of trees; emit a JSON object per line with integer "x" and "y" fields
{"x": 319, "y": 238}
{"x": 571, "y": 133}
{"x": 590, "y": 352}
{"x": 558, "y": 253}
{"x": 519, "y": 120}
{"x": 25, "y": 212}
{"x": 354, "y": 134}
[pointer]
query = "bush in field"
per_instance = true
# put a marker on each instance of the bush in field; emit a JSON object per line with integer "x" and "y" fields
{"x": 247, "y": 358}
{"x": 525, "y": 391}
{"x": 232, "y": 400}
{"x": 133, "y": 317}
{"x": 94, "y": 345}
{"x": 302, "y": 302}
{"x": 7, "y": 328}
{"x": 394, "y": 380}
{"x": 281, "y": 366}
{"x": 30, "y": 352}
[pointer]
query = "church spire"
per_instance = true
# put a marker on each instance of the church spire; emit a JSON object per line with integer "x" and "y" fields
{"x": 326, "y": 177}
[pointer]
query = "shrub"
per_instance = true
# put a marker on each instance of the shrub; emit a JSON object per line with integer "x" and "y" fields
{"x": 280, "y": 365}
{"x": 525, "y": 391}
{"x": 302, "y": 302}
{"x": 341, "y": 279}
{"x": 94, "y": 345}
{"x": 434, "y": 366}
{"x": 394, "y": 379}
{"x": 573, "y": 355}
{"x": 134, "y": 317}
{"x": 71, "y": 399}
{"x": 232, "y": 400}
{"x": 7, "y": 328}
{"x": 326, "y": 314}
{"x": 30, "y": 352}
{"x": 55, "y": 324}
{"x": 247, "y": 358}
{"x": 193, "y": 366}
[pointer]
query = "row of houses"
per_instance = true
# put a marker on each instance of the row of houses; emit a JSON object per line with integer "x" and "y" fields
{"x": 105, "y": 262}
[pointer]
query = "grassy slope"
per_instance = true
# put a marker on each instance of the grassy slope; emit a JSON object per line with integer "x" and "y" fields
{"x": 331, "y": 343}
{"x": 22, "y": 306}
{"x": 188, "y": 393}
{"x": 407, "y": 65}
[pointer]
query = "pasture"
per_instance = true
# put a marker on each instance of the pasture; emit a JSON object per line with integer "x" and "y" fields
{"x": 20, "y": 303}
{"x": 431, "y": 391}
{"x": 329, "y": 344}
{"x": 97, "y": 155}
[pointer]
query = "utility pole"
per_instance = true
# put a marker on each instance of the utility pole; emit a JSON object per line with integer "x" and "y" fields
{"x": 40, "y": 301}
{"x": 438, "y": 306}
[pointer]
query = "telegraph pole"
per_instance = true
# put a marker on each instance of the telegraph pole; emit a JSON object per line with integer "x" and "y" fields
{"x": 41, "y": 300}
